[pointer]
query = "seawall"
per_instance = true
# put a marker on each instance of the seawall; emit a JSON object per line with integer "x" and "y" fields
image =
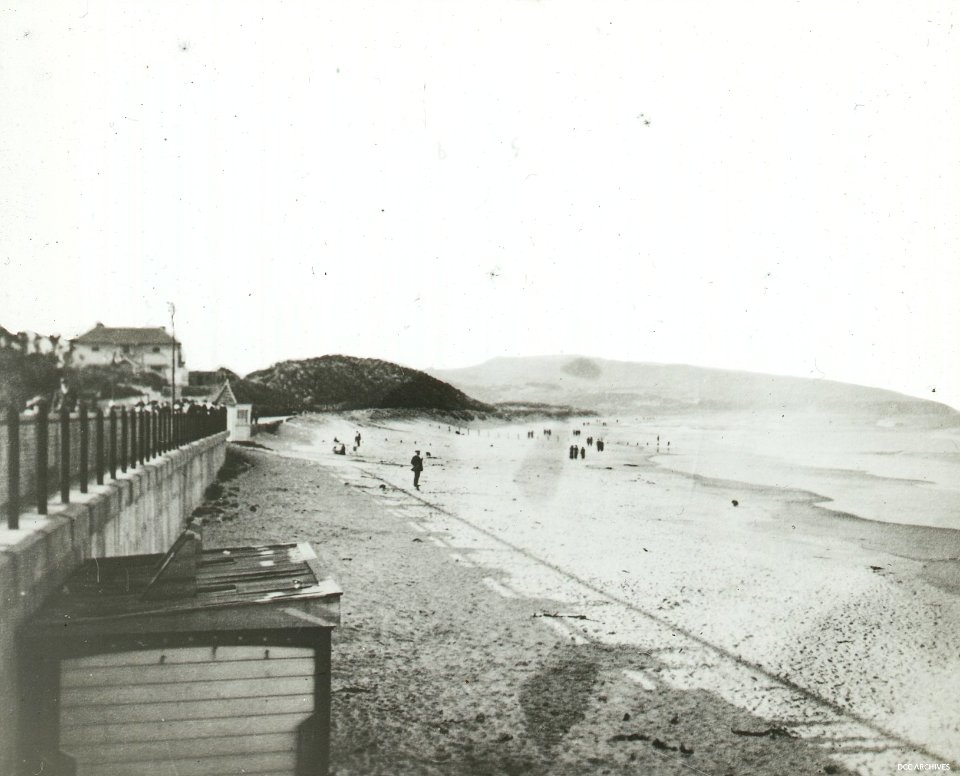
{"x": 142, "y": 511}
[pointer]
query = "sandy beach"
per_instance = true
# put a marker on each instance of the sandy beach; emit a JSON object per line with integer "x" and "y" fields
{"x": 525, "y": 612}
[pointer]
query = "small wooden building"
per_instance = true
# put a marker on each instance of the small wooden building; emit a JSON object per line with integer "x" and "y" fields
{"x": 239, "y": 416}
{"x": 194, "y": 662}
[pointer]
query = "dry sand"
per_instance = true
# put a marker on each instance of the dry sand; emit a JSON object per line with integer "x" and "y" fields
{"x": 684, "y": 619}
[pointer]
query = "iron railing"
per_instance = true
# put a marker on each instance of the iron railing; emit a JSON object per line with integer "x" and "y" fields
{"x": 44, "y": 451}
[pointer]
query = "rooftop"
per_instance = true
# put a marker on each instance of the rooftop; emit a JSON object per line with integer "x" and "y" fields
{"x": 107, "y": 335}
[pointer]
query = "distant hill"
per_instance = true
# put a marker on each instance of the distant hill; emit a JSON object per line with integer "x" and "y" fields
{"x": 619, "y": 386}
{"x": 347, "y": 383}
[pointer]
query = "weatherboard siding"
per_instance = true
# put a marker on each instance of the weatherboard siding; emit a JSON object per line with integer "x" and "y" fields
{"x": 203, "y": 711}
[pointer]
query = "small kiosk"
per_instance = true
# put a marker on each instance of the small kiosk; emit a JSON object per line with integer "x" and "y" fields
{"x": 194, "y": 662}
{"x": 239, "y": 416}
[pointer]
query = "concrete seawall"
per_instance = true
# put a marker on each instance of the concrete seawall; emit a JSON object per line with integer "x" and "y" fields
{"x": 142, "y": 511}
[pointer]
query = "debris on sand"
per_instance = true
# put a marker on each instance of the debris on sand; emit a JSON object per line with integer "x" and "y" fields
{"x": 629, "y": 737}
{"x": 735, "y": 503}
{"x": 560, "y": 616}
{"x": 773, "y": 732}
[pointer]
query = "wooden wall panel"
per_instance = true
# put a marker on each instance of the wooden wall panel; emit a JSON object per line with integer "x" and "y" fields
{"x": 199, "y": 711}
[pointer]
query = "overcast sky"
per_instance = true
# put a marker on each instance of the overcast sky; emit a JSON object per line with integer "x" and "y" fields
{"x": 771, "y": 186}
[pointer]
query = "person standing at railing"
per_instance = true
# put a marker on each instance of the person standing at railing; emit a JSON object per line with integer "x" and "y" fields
{"x": 65, "y": 398}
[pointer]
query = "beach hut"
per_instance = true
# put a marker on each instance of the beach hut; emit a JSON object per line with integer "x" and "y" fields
{"x": 193, "y": 662}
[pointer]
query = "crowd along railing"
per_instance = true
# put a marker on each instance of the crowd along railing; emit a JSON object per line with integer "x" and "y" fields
{"x": 47, "y": 451}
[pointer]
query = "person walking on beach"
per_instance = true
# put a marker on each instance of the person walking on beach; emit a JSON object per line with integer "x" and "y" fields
{"x": 356, "y": 439}
{"x": 583, "y": 453}
{"x": 416, "y": 463}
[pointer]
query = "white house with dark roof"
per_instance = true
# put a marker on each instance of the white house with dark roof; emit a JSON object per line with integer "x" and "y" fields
{"x": 145, "y": 349}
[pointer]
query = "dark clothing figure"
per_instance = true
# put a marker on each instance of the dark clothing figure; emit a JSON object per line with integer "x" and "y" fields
{"x": 357, "y": 439}
{"x": 416, "y": 463}
{"x": 64, "y": 399}
{"x": 583, "y": 452}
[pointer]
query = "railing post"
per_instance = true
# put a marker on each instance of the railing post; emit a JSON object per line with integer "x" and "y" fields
{"x": 124, "y": 439}
{"x": 155, "y": 418}
{"x": 43, "y": 465}
{"x": 145, "y": 441}
{"x": 13, "y": 467}
{"x": 101, "y": 453}
{"x": 151, "y": 434}
{"x": 148, "y": 433}
{"x": 112, "y": 454}
{"x": 64, "y": 455}
{"x": 84, "y": 448}
{"x": 145, "y": 423}
{"x": 162, "y": 420}
{"x": 134, "y": 444}
{"x": 142, "y": 436}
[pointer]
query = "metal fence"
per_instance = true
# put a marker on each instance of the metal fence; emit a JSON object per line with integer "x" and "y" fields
{"x": 45, "y": 452}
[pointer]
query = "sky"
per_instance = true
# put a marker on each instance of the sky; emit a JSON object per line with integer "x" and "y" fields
{"x": 771, "y": 186}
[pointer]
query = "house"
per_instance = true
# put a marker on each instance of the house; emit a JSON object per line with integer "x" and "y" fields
{"x": 239, "y": 416}
{"x": 145, "y": 349}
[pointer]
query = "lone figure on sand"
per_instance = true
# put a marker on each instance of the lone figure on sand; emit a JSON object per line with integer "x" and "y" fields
{"x": 416, "y": 463}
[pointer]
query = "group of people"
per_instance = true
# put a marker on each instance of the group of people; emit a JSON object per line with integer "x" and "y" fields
{"x": 590, "y": 441}
{"x": 581, "y": 452}
{"x": 416, "y": 463}
{"x": 340, "y": 448}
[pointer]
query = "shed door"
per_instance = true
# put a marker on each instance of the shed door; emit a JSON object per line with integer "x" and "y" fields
{"x": 186, "y": 712}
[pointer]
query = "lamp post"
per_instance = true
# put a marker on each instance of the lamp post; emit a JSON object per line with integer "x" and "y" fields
{"x": 173, "y": 356}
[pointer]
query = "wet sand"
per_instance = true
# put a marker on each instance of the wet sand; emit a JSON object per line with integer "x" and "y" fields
{"x": 840, "y": 629}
